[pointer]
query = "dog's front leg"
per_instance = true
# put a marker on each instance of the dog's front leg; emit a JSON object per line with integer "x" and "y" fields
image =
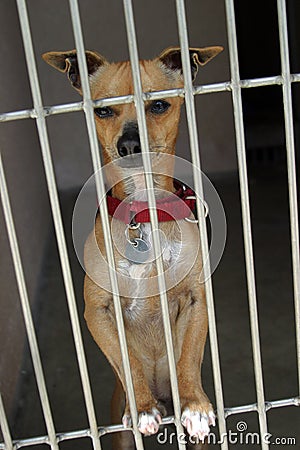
{"x": 197, "y": 411}
{"x": 101, "y": 322}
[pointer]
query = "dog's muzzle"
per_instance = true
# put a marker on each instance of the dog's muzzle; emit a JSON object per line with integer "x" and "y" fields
{"x": 129, "y": 147}
{"x": 129, "y": 143}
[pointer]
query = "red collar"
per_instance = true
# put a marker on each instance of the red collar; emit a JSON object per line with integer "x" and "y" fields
{"x": 177, "y": 206}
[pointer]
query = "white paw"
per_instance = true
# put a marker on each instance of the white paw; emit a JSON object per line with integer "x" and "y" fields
{"x": 197, "y": 423}
{"x": 126, "y": 420}
{"x": 149, "y": 422}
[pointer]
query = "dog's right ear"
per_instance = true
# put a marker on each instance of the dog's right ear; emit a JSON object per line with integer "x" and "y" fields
{"x": 171, "y": 58}
{"x": 67, "y": 62}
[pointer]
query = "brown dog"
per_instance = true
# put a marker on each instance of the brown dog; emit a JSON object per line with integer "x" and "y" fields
{"x": 118, "y": 133}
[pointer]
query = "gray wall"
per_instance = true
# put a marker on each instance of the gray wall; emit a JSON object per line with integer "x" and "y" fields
{"x": 24, "y": 172}
{"x": 104, "y": 31}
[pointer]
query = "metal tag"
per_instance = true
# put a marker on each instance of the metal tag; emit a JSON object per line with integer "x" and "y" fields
{"x": 137, "y": 251}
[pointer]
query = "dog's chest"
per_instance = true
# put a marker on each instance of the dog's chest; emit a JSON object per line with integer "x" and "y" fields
{"x": 144, "y": 315}
{"x": 138, "y": 261}
{"x": 142, "y": 277}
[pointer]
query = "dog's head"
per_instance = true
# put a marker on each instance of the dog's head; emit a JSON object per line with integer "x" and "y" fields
{"x": 117, "y": 125}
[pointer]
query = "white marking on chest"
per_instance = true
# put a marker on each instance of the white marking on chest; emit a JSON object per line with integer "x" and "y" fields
{"x": 137, "y": 273}
{"x": 170, "y": 253}
{"x": 135, "y": 308}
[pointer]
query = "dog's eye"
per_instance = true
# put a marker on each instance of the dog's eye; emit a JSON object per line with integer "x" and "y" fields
{"x": 104, "y": 112}
{"x": 159, "y": 106}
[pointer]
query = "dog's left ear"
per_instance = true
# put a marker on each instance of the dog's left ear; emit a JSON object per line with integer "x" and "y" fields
{"x": 67, "y": 62}
{"x": 171, "y": 58}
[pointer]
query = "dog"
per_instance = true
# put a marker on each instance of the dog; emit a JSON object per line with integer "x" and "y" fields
{"x": 118, "y": 134}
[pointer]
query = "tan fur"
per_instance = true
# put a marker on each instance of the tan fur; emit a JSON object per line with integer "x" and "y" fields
{"x": 142, "y": 316}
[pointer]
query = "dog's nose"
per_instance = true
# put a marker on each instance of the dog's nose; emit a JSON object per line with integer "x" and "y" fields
{"x": 129, "y": 143}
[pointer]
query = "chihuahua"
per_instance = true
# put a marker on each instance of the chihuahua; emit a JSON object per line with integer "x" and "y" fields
{"x": 118, "y": 133}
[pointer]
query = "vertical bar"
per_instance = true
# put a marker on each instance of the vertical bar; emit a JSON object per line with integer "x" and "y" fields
{"x": 4, "y": 426}
{"x": 242, "y": 164}
{"x": 38, "y": 370}
{"x": 56, "y": 212}
{"x": 291, "y": 163}
{"x": 139, "y": 103}
{"x": 194, "y": 144}
{"x": 89, "y": 114}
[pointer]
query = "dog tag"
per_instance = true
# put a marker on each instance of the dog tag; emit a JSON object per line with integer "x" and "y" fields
{"x": 138, "y": 252}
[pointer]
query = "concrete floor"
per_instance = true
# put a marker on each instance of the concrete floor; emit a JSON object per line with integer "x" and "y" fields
{"x": 268, "y": 190}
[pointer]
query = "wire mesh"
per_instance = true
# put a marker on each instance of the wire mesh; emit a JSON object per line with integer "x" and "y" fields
{"x": 39, "y": 114}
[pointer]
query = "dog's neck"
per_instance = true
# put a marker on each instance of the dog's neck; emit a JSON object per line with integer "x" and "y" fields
{"x": 135, "y": 187}
{"x": 133, "y": 182}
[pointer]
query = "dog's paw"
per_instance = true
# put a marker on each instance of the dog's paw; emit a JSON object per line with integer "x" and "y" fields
{"x": 126, "y": 420}
{"x": 197, "y": 423}
{"x": 149, "y": 422}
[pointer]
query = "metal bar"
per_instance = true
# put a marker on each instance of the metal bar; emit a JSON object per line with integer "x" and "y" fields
{"x": 139, "y": 103}
{"x": 38, "y": 370}
{"x": 16, "y": 115}
{"x": 194, "y": 145}
{"x": 242, "y": 164}
{"x": 89, "y": 114}
{"x": 291, "y": 165}
{"x": 8, "y": 444}
{"x": 56, "y": 212}
{"x": 198, "y": 90}
{"x": 103, "y": 430}
{"x": 261, "y": 82}
{"x": 294, "y": 401}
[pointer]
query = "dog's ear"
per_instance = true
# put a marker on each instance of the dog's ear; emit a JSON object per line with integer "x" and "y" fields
{"x": 171, "y": 58}
{"x": 67, "y": 62}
